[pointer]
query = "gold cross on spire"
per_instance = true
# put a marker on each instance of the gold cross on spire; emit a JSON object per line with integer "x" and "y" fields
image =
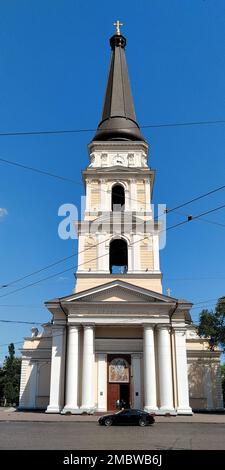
{"x": 118, "y": 24}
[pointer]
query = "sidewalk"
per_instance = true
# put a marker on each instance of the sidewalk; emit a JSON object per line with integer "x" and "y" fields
{"x": 10, "y": 414}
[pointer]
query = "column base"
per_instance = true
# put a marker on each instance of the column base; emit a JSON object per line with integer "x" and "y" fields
{"x": 167, "y": 411}
{"x": 151, "y": 409}
{"x": 53, "y": 409}
{"x": 71, "y": 410}
{"x": 90, "y": 410}
{"x": 185, "y": 411}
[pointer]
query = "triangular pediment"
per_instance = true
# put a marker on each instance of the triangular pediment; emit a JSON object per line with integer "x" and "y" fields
{"x": 119, "y": 291}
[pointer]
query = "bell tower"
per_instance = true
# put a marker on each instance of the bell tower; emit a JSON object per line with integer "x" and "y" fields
{"x": 118, "y": 238}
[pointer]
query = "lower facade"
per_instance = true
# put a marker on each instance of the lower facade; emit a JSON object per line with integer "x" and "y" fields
{"x": 88, "y": 369}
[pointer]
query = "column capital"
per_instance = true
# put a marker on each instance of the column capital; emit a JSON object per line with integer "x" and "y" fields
{"x": 101, "y": 354}
{"x": 149, "y": 326}
{"x": 58, "y": 326}
{"x": 58, "y": 330}
{"x": 136, "y": 355}
{"x": 163, "y": 326}
{"x": 73, "y": 326}
{"x": 179, "y": 330}
{"x": 89, "y": 326}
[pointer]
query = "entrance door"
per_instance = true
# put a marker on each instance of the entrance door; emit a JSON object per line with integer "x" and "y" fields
{"x": 125, "y": 395}
{"x": 113, "y": 396}
{"x": 119, "y": 386}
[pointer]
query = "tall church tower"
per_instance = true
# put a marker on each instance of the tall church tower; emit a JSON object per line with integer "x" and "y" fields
{"x": 118, "y": 237}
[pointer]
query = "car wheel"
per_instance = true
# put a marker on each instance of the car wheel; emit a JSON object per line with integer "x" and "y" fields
{"x": 142, "y": 422}
{"x": 151, "y": 421}
{"x": 108, "y": 422}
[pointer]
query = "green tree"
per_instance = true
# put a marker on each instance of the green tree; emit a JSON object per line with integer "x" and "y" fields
{"x": 10, "y": 377}
{"x": 212, "y": 325}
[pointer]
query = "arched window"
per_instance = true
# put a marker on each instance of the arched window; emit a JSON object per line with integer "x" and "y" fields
{"x": 118, "y": 197}
{"x": 118, "y": 256}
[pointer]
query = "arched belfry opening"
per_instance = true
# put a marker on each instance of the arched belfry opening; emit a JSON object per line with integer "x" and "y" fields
{"x": 118, "y": 197}
{"x": 118, "y": 256}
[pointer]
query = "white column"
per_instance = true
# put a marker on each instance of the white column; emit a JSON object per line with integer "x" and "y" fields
{"x": 165, "y": 369}
{"x": 149, "y": 369}
{"x": 136, "y": 383}
{"x": 182, "y": 372}
{"x": 88, "y": 369}
{"x": 102, "y": 381}
{"x": 57, "y": 370}
{"x": 72, "y": 370}
{"x": 32, "y": 386}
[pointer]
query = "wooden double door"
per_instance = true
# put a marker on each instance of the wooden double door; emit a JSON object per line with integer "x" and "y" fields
{"x": 119, "y": 383}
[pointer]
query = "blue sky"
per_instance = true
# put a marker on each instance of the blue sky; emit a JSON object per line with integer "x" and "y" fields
{"x": 53, "y": 69}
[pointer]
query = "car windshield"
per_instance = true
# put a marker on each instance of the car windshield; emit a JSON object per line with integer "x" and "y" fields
{"x": 121, "y": 412}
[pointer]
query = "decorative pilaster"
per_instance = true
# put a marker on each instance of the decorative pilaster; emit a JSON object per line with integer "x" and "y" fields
{"x": 133, "y": 195}
{"x": 32, "y": 386}
{"x": 72, "y": 370}
{"x": 102, "y": 261}
{"x": 88, "y": 369}
{"x": 208, "y": 386}
{"x": 182, "y": 373}
{"x": 136, "y": 383}
{"x": 147, "y": 196}
{"x": 102, "y": 381}
{"x": 150, "y": 403}
{"x": 165, "y": 370}
{"x": 156, "y": 252}
{"x": 57, "y": 370}
{"x": 23, "y": 384}
{"x": 136, "y": 239}
{"x": 104, "y": 196}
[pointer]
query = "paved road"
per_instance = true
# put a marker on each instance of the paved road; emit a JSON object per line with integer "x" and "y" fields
{"x": 79, "y": 436}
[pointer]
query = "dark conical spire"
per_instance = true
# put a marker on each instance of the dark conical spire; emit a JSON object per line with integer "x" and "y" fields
{"x": 118, "y": 116}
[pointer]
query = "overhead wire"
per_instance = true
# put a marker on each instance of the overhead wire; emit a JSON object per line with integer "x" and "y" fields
{"x": 82, "y": 130}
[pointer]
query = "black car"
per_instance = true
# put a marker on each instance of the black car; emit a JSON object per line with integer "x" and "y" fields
{"x": 129, "y": 416}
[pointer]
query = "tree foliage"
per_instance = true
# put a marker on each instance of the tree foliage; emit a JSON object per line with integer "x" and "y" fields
{"x": 212, "y": 325}
{"x": 10, "y": 378}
